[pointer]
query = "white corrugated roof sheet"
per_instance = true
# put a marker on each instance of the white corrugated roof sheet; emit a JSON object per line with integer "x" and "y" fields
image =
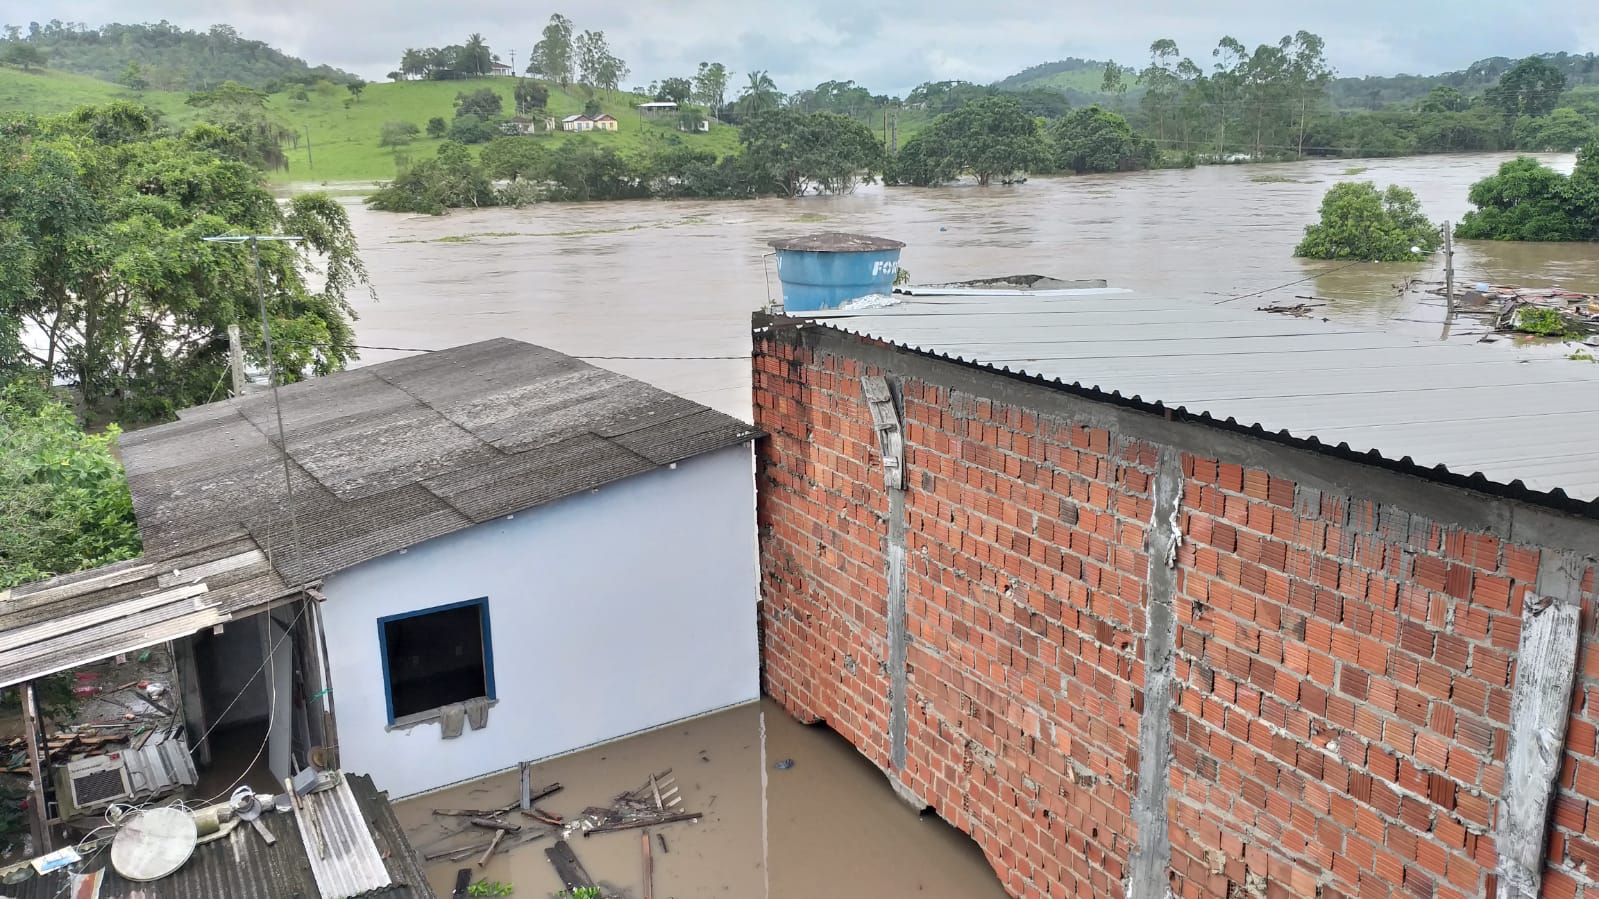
{"x": 344, "y": 857}
{"x": 1489, "y": 410}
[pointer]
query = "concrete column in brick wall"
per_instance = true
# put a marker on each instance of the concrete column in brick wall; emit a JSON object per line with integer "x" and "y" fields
{"x": 1540, "y": 707}
{"x": 886, "y": 422}
{"x": 1151, "y": 858}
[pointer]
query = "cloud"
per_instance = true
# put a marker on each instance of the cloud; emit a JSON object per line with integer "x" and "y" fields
{"x": 888, "y": 45}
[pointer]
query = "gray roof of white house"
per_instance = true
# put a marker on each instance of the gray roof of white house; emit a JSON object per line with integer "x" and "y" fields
{"x": 1525, "y": 421}
{"x": 388, "y": 456}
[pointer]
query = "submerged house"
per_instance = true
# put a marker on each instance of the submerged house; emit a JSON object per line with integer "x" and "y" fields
{"x": 458, "y": 561}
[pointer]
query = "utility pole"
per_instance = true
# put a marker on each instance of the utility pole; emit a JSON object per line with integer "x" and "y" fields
{"x": 236, "y": 359}
{"x": 310, "y": 164}
{"x": 893, "y": 134}
{"x": 1449, "y": 270}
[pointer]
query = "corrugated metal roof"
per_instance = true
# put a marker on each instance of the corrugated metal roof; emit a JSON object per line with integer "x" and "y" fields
{"x": 1528, "y": 422}
{"x": 242, "y": 866}
{"x": 344, "y": 859}
{"x": 388, "y": 456}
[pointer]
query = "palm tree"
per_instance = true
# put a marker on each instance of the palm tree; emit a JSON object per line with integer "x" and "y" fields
{"x": 475, "y": 58}
{"x": 760, "y": 94}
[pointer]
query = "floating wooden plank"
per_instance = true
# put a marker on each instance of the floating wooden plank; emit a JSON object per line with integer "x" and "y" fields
{"x": 495, "y": 824}
{"x": 463, "y": 883}
{"x": 568, "y": 868}
{"x": 493, "y": 845}
{"x": 1540, "y": 705}
{"x": 649, "y": 822}
{"x": 649, "y": 868}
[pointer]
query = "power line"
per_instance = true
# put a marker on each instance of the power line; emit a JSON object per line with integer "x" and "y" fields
{"x": 1312, "y": 277}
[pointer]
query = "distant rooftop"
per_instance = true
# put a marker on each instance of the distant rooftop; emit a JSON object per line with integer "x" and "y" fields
{"x": 1523, "y": 421}
{"x": 391, "y": 455}
{"x": 836, "y": 242}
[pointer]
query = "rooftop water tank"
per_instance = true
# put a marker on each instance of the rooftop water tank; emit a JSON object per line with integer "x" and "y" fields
{"x": 824, "y": 271}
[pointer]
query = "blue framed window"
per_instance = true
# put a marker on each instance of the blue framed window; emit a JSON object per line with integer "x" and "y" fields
{"x": 436, "y": 657}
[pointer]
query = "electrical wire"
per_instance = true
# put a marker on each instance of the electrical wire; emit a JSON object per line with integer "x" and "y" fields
{"x": 1310, "y": 277}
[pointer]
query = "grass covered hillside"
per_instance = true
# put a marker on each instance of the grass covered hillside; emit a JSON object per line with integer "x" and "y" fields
{"x": 337, "y": 135}
{"x": 344, "y": 132}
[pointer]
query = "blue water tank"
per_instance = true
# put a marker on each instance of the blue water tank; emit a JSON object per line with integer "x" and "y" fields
{"x": 824, "y": 271}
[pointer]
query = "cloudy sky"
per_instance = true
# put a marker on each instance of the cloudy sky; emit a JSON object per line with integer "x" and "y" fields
{"x": 887, "y": 45}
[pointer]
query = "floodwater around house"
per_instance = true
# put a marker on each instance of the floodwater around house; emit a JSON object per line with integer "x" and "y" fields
{"x": 827, "y": 825}
{"x": 678, "y": 279}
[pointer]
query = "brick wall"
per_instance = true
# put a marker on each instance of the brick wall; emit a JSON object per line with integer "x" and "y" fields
{"x": 1344, "y": 663}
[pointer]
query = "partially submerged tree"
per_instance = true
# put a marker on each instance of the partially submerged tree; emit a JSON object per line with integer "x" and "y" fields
{"x": 108, "y": 270}
{"x": 988, "y": 138}
{"x": 1360, "y": 223}
{"x": 1097, "y": 140}
{"x": 1526, "y": 200}
{"x": 797, "y": 152}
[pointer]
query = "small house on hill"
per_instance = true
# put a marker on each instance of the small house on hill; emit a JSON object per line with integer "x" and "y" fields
{"x": 501, "y": 70}
{"x": 657, "y": 107}
{"x": 605, "y": 122}
{"x": 466, "y": 530}
{"x": 577, "y": 123}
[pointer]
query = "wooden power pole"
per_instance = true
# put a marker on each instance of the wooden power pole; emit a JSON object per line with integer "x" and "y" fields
{"x": 1449, "y": 270}
{"x": 39, "y": 813}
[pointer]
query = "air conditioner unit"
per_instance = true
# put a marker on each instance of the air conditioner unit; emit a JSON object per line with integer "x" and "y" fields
{"x": 98, "y": 781}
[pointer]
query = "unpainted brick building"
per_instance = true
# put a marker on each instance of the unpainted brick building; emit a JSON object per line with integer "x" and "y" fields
{"x": 1333, "y": 641}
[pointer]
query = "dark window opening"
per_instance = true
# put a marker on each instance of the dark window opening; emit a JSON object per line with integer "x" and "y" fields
{"x": 437, "y": 657}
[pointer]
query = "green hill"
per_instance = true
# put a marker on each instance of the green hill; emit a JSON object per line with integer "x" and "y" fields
{"x": 1082, "y": 76}
{"x": 169, "y": 57}
{"x": 337, "y": 135}
{"x": 343, "y": 136}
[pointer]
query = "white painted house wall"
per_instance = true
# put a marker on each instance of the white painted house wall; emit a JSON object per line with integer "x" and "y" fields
{"x": 610, "y": 612}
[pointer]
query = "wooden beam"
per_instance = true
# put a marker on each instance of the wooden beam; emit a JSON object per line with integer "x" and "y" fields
{"x": 1540, "y": 706}
{"x": 39, "y": 817}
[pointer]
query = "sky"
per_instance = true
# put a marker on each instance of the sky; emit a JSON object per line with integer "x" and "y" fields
{"x": 888, "y": 46}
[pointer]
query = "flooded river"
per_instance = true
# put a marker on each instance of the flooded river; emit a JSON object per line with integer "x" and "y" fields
{"x": 663, "y": 291}
{"x": 651, "y": 278}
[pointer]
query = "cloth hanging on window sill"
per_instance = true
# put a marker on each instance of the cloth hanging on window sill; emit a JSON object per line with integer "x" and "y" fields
{"x": 451, "y": 720}
{"x": 477, "y": 712}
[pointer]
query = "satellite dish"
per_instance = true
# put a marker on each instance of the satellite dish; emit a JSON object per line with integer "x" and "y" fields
{"x": 154, "y": 844}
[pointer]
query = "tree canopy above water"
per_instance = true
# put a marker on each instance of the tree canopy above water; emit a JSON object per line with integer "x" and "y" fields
{"x": 1359, "y": 223}
{"x": 1526, "y": 200}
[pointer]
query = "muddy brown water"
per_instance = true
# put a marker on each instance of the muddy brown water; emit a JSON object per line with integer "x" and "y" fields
{"x": 678, "y": 281}
{"x": 653, "y": 278}
{"x": 825, "y": 826}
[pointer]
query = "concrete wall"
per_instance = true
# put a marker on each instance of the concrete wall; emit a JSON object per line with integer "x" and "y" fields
{"x": 611, "y": 612}
{"x": 1338, "y": 661}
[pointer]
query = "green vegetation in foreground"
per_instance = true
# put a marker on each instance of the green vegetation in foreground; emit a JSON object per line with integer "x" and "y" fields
{"x": 1359, "y": 223}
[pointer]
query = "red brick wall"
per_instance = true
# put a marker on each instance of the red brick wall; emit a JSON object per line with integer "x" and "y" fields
{"x": 1345, "y": 665}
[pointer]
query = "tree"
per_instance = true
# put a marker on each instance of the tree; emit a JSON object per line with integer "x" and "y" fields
{"x": 23, "y": 55}
{"x": 1097, "y": 140}
{"x": 795, "y": 152}
{"x": 531, "y": 96}
{"x": 485, "y": 103}
{"x": 552, "y": 56}
{"x": 1360, "y": 223}
{"x": 990, "y": 137}
{"x": 1309, "y": 75}
{"x": 451, "y": 179}
{"x": 710, "y": 86}
{"x": 1160, "y": 82}
{"x": 129, "y": 306}
{"x": 355, "y": 88}
{"x": 397, "y": 134}
{"x": 1526, "y": 200}
{"x": 1444, "y": 98}
{"x": 475, "y": 60}
{"x": 437, "y": 126}
{"x": 414, "y": 63}
{"x": 759, "y": 95}
{"x": 507, "y": 158}
{"x": 1113, "y": 82}
{"x": 64, "y": 503}
{"x": 236, "y": 115}
{"x": 471, "y": 129}
{"x": 597, "y": 66}
{"x": 591, "y": 107}
{"x": 581, "y": 170}
{"x": 675, "y": 90}
{"x": 1561, "y": 131}
{"x": 1532, "y": 88}
{"x": 133, "y": 78}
